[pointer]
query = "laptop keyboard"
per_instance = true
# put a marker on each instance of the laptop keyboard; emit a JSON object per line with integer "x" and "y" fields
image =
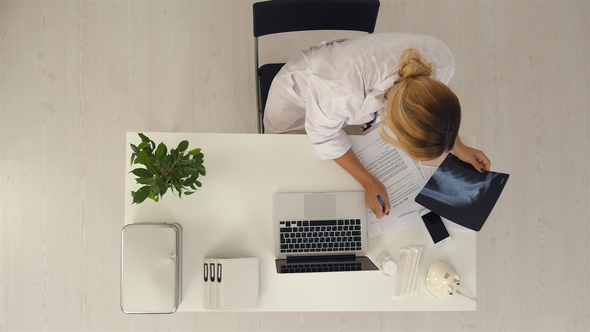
{"x": 324, "y": 236}
{"x": 321, "y": 267}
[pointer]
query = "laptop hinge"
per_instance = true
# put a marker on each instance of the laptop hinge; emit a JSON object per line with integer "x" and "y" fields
{"x": 321, "y": 258}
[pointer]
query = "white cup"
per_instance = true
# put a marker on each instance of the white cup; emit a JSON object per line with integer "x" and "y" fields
{"x": 387, "y": 265}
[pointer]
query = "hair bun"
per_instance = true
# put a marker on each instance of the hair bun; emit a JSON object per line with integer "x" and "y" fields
{"x": 412, "y": 64}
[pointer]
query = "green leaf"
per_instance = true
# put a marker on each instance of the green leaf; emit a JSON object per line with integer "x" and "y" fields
{"x": 143, "y": 158}
{"x": 150, "y": 167}
{"x": 177, "y": 172}
{"x": 143, "y": 180}
{"x": 189, "y": 181}
{"x": 151, "y": 160}
{"x": 166, "y": 162}
{"x": 156, "y": 168}
{"x": 194, "y": 152}
{"x": 143, "y": 137}
{"x": 136, "y": 198}
{"x": 134, "y": 148}
{"x": 203, "y": 172}
{"x": 198, "y": 158}
{"x": 136, "y": 161}
{"x": 143, "y": 145}
{"x": 182, "y": 146}
{"x": 155, "y": 190}
{"x": 189, "y": 192}
{"x": 161, "y": 184}
{"x": 161, "y": 150}
{"x": 190, "y": 170}
{"x": 132, "y": 159}
{"x": 199, "y": 184}
{"x": 140, "y": 195}
{"x": 174, "y": 154}
{"x": 178, "y": 184}
{"x": 142, "y": 173}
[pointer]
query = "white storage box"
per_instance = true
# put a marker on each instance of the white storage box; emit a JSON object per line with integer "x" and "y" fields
{"x": 151, "y": 268}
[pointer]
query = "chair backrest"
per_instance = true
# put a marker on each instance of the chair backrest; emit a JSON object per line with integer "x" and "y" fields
{"x": 277, "y": 16}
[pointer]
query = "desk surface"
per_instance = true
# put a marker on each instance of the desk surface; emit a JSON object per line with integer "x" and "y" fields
{"x": 231, "y": 216}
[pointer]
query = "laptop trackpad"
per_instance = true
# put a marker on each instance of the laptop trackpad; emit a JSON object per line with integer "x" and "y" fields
{"x": 320, "y": 205}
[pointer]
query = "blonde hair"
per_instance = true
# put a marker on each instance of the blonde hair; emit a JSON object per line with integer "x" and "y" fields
{"x": 423, "y": 113}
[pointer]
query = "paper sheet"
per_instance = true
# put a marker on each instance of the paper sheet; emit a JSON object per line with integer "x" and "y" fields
{"x": 373, "y": 153}
{"x": 402, "y": 177}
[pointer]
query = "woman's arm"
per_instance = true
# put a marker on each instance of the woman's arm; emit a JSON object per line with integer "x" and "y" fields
{"x": 373, "y": 187}
{"x": 471, "y": 156}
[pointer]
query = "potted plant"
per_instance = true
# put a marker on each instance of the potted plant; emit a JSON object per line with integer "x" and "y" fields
{"x": 160, "y": 170}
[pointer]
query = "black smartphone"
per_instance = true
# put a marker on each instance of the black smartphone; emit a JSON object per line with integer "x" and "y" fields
{"x": 436, "y": 228}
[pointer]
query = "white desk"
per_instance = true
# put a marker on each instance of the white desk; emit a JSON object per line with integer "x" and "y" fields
{"x": 231, "y": 217}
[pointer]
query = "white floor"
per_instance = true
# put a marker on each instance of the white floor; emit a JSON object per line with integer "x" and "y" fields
{"x": 76, "y": 75}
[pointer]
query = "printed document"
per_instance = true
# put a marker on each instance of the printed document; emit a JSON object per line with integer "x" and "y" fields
{"x": 402, "y": 177}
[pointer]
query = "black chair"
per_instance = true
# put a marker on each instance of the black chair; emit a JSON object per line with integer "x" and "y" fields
{"x": 278, "y": 16}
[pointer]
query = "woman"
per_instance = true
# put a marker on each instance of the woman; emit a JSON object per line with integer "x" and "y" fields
{"x": 396, "y": 79}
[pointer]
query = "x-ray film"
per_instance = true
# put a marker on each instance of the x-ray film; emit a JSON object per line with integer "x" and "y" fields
{"x": 459, "y": 193}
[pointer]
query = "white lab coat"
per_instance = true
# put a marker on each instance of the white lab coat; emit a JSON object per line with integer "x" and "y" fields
{"x": 343, "y": 82}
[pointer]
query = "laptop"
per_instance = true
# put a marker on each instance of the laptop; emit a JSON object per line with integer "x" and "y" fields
{"x": 320, "y": 232}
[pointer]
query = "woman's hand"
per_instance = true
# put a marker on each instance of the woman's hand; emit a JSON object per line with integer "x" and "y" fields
{"x": 373, "y": 187}
{"x": 471, "y": 156}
